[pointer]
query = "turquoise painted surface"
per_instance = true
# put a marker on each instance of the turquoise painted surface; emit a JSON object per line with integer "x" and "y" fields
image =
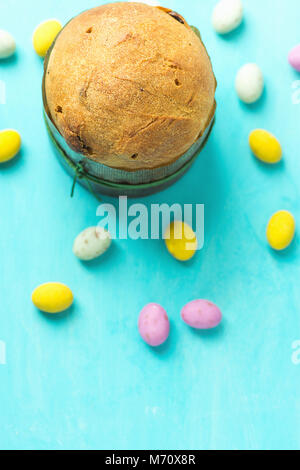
{"x": 85, "y": 380}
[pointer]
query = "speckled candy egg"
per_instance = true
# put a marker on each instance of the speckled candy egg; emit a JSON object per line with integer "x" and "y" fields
{"x": 249, "y": 83}
{"x": 52, "y": 297}
{"x": 10, "y": 144}
{"x": 91, "y": 243}
{"x": 180, "y": 240}
{"x": 227, "y": 16}
{"x": 281, "y": 230}
{"x": 154, "y": 324}
{"x": 44, "y": 35}
{"x": 201, "y": 314}
{"x": 294, "y": 57}
{"x": 7, "y": 44}
{"x": 265, "y": 146}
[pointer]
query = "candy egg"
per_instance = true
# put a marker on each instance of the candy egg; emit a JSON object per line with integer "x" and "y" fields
{"x": 44, "y": 36}
{"x": 294, "y": 57}
{"x": 265, "y": 146}
{"x": 10, "y": 144}
{"x": 153, "y": 324}
{"x": 52, "y": 297}
{"x": 249, "y": 83}
{"x": 91, "y": 243}
{"x": 201, "y": 314}
{"x": 7, "y": 44}
{"x": 181, "y": 241}
{"x": 281, "y": 230}
{"x": 227, "y": 15}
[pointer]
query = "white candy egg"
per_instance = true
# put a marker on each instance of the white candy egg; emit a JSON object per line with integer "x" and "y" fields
{"x": 91, "y": 243}
{"x": 227, "y": 15}
{"x": 249, "y": 83}
{"x": 7, "y": 44}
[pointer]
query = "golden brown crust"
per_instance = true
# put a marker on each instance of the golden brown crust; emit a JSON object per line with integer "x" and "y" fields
{"x": 129, "y": 85}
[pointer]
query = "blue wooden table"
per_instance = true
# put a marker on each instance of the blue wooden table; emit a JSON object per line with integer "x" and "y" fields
{"x": 85, "y": 380}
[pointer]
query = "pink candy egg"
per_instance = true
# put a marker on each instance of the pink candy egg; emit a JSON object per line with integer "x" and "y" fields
{"x": 294, "y": 57}
{"x": 201, "y": 314}
{"x": 154, "y": 324}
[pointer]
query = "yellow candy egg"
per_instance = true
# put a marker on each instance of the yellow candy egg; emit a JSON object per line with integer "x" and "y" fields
{"x": 44, "y": 36}
{"x": 281, "y": 230}
{"x": 181, "y": 241}
{"x": 10, "y": 144}
{"x": 52, "y": 297}
{"x": 265, "y": 146}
